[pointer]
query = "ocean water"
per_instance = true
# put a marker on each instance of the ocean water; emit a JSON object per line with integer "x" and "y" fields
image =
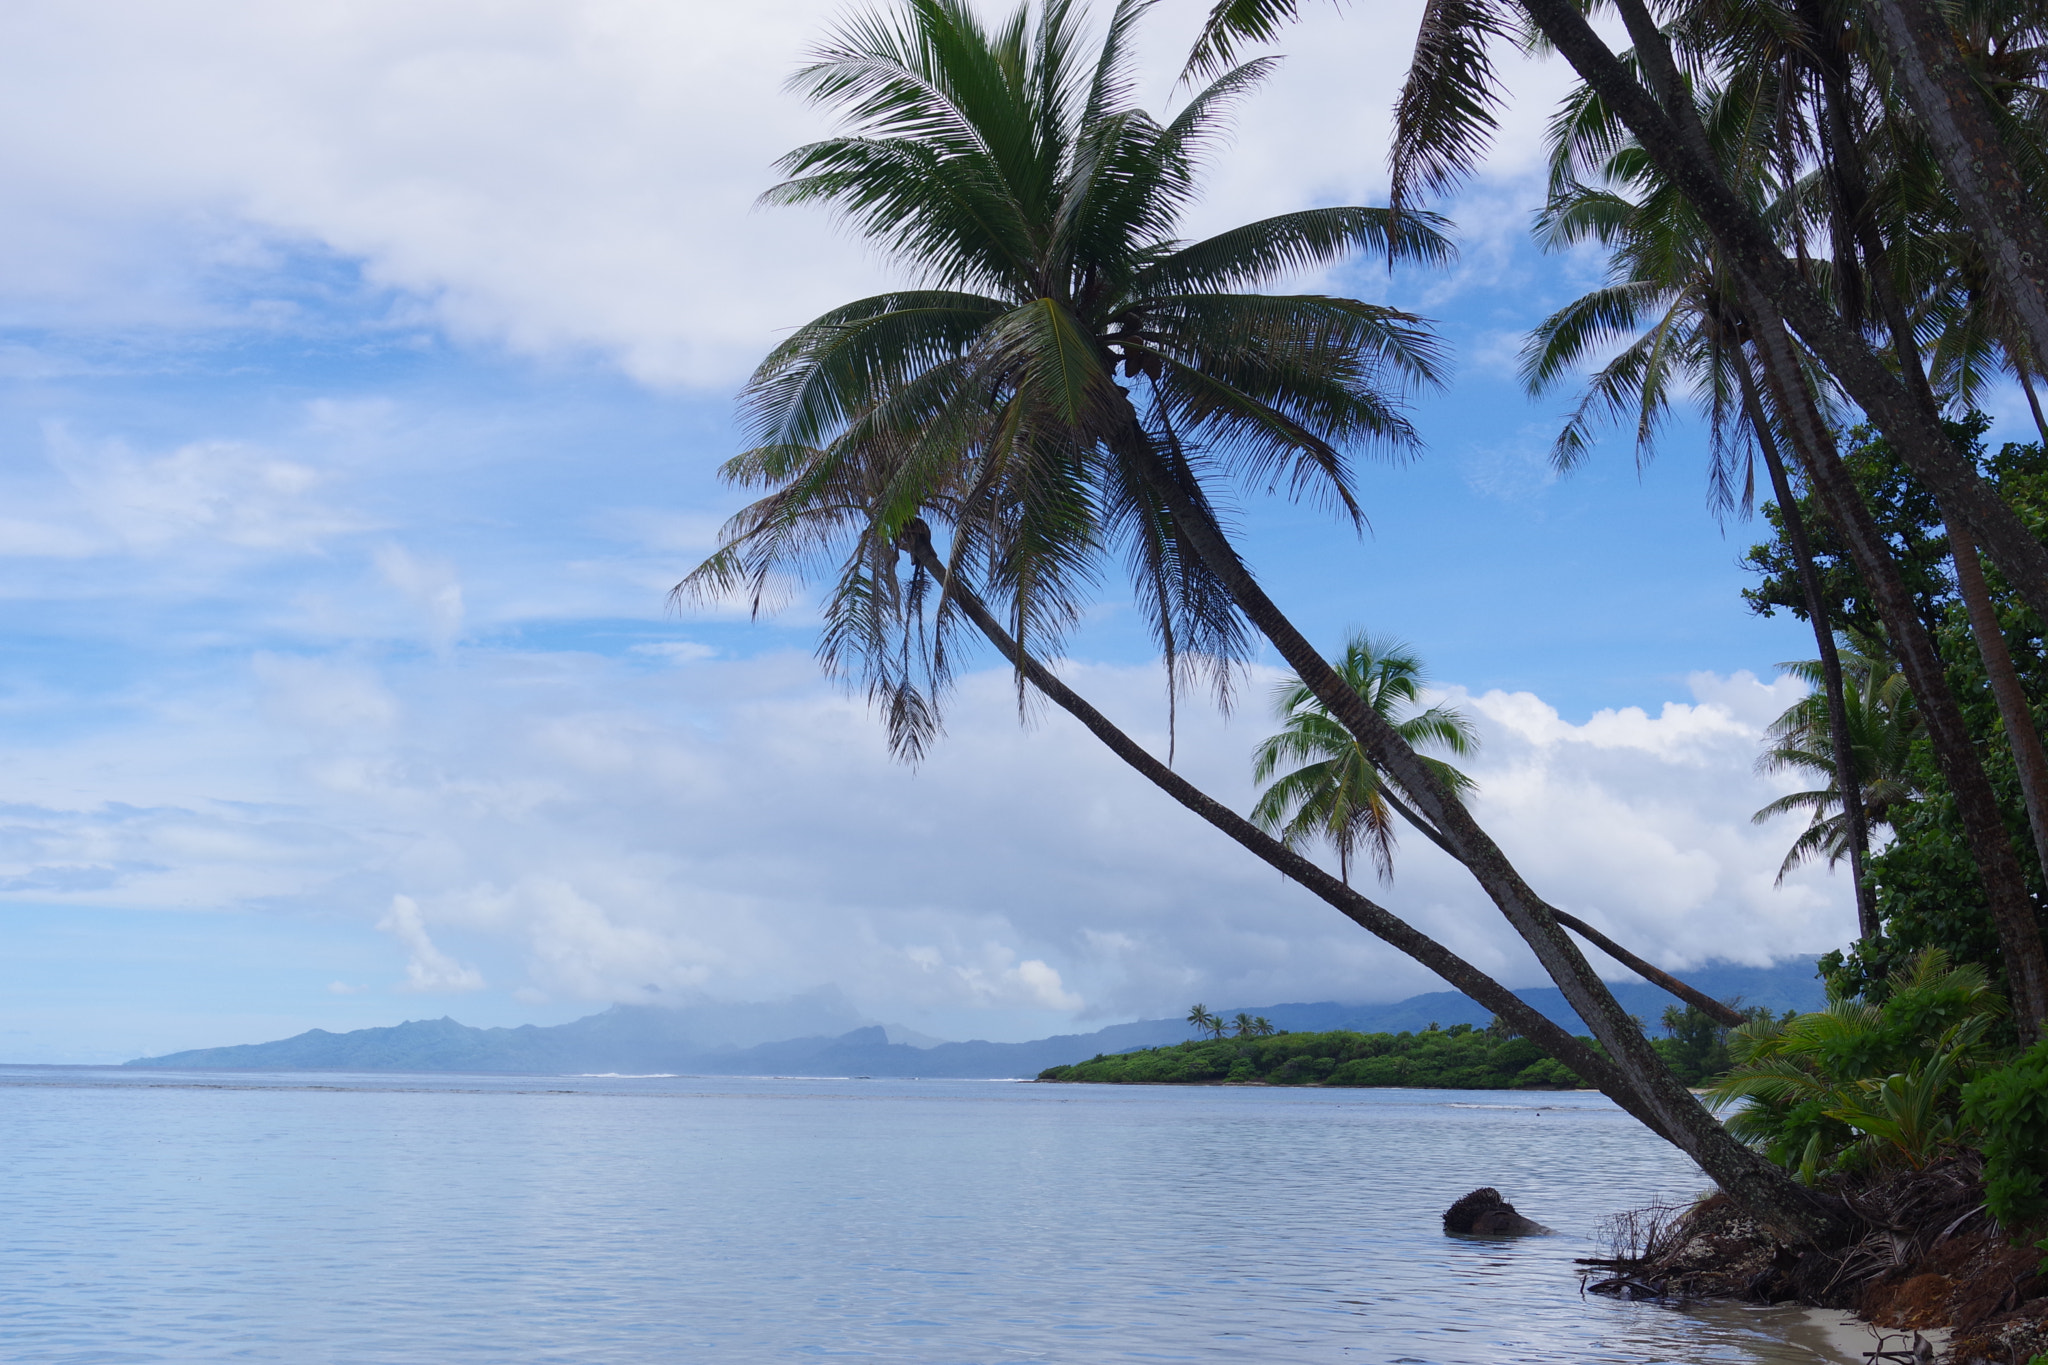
{"x": 414, "y": 1220}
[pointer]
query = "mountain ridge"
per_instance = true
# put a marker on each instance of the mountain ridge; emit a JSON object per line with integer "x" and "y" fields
{"x": 656, "y": 1039}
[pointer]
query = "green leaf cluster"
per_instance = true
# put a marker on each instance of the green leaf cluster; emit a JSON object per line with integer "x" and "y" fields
{"x": 1928, "y": 891}
{"x": 2009, "y": 1110}
{"x": 1861, "y": 1086}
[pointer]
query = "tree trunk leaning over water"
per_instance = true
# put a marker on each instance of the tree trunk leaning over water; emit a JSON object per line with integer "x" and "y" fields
{"x": 1698, "y": 999}
{"x": 1762, "y": 1188}
{"x": 1375, "y": 919}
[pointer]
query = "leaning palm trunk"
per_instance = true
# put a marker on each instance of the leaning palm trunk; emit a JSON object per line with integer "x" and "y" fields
{"x": 1698, "y": 999}
{"x": 1754, "y": 1183}
{"x": 1989, "y": 188}
{"x": 1848, "y": 781}
{"x": 1668, "y": 130}
{"x": 1667, "y": 126}
{"x": 1040, "y": 208}
{"x": 2005, "y": 889}
{"x": 2014, "y": 711}
{"x": 1375, "y": 919}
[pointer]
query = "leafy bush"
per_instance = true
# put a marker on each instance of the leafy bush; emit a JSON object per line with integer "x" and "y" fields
{"x": 2009, "y": 1109}
{"x": 1858, "y": 1085}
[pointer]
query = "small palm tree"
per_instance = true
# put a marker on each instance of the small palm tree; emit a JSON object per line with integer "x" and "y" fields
{"x": 1262, "y": 1027}
{"x": 1243, "y": 1027}
{"x": 1859, "y": 1085}
{"x": 1200, "y": 1020}
{"x": 1337, "y": 794}
{"x": 1883, "y": 730}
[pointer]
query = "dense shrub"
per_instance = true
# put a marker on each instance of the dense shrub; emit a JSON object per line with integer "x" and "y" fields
{"x": 1860, "y": 1085}
{"x": 2009, "y": 1110}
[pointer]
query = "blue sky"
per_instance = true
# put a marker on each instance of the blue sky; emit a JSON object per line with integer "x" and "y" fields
{"x": 362, "y": 379}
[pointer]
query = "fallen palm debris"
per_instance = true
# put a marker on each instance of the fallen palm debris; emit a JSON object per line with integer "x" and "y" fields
{"x": 1931, "y": 1257}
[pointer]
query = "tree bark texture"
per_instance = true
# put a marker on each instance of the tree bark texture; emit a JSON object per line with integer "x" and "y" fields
{"x": 1747, "y": 248}
{"x": 1956, "y": 115}
{"x": 2016, "y": 713}
{"x": 1698, "y": 999}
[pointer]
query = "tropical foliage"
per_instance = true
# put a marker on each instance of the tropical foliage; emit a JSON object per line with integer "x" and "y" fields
{"x": 1338, "y": 795}
{"x": 1064, "y": 382}
{"x": 1883, "y": 730}
{"x": 1861, "y": 1086}
{"x": 2008, "y": 1109}
{"x": 1066, "y": 357}
{"x": 1927, "y": 890}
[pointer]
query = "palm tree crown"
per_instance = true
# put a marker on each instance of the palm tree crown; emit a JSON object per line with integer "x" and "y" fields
{"x": 1883, "y": 729}
{"x": 1337, "y": 794}
{"x": 1064, "y": 356}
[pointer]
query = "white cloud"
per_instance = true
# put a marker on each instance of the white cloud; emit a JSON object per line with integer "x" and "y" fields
{"x": 427, "y": 968}
{"x": 547, "y": 175}
{"x": 574, "y": 176}
{"x": 431, "y": 585}
{"x": 592, "y": 829}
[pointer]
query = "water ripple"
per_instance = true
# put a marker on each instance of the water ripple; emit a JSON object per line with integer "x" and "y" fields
{"x": 156, "y": 1217}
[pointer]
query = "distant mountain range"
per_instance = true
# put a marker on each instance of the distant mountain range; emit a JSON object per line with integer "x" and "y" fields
{"x": 629, "y": 1039}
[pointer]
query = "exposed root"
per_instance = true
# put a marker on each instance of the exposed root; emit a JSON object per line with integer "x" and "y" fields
{"x": 1931, "y": 1257}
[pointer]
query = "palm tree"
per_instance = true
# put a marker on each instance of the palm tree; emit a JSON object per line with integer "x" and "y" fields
{"x": 1243, "y": 1027}
{"x": 1883, "y": 726}
{"x": 1672, "y": 291}
{"x": 1447, "y": 112}
{"x": 1262, "y": 1027}
{"x": 1071, "y": 380}
{"x": 1338, "y": 794}
{"x": 1199, "y": 1019}
{"x": 1066, "y": 351}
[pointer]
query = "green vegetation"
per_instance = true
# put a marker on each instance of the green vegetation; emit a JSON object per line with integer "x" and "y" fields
{"x": 1457, "y": 1058}
{"x": 1898, "y": 1085}
{"x": 1859, "y": 1086}
{"x": 1063, "y": 383}
{"x": 1925, "y": 881}
{"x": 2008, "y": 1109}
{"x": 1338, "y": 795}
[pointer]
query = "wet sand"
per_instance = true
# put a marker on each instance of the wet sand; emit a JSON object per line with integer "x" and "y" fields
{"x": 1810, "y": 1334}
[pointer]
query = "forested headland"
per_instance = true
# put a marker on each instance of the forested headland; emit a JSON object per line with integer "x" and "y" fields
{"x": 1460, "y": 1057}
{"x": 1822, "y": 230}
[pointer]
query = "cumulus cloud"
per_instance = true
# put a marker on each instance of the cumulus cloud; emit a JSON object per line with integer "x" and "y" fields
{"x": 427, "y": 968}
{"x": 329, "y": 710}
{"x": 598, "y": 830}
{"x": 545, "y": 175}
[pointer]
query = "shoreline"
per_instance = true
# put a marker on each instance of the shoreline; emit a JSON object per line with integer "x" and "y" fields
{"x": 1834, "y": 1335}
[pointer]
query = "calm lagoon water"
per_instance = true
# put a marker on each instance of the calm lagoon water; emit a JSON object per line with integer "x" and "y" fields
{"x": 416, "y": 1220}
